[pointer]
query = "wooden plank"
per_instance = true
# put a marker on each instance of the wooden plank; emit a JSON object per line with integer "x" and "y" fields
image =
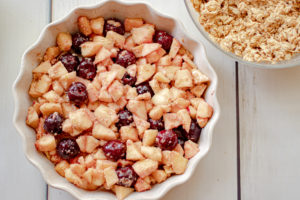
{"x": 21, "y": 23}
{"x": 269, "y": 116}
{"x": 215, "y": 177}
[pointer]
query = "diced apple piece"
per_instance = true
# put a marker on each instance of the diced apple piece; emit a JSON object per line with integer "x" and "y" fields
{"x": 178, "y": 148}
{"x": 46, "y": 143}
{"x": 51, "y": 53}
{"x": 155, "y": 55}
{"x": 87, "y": 143}
{"x": 122, "y": 192}
{"x": 177, "y": 61}
{"x": 111, "y": 177}
{"x": 170, "y": 71}
{"x": 156, "y": 113}
{"x": 143, "y": 34}
{"x": 178, "y": 162}
{"x": 53, "y": 97}
{"x": 168, "y": 169}
{"x": 138, "y": 108}
{"x": 89, "y": 49}
{"x": 39, "y": 87}
{"x": 202, "y": 121}
{"x": 166, "y": 157}
{"x": 61, "y": 167}
{"x": 102, "y": 55}
{"x": 106, "y": 116}
{"x": 67, "y": 108}
{"x": 154, "y": 85}
{"x": 160, "y": 77}
{"x": 159, "y": 175}
{"x": 57, "y": 70}
{"x": 107, "y": 78}
{"x": 80, "y": 119}
{"x": 149, "y": 137}
{"x": 199, "y": 77}
{"x": 129, "y": 133}
{"x": 183, "y": 79}
{"x": 174, "y": 48}
{"x": 97, "y": 25}
{"x": 106, "y": 43}
{"x": 190, "y": 149}
{"x": 204, "y": 109}
{"x": 64, "y": 41}
{"x": 67, "y": 79}
{"x": 32, "y": 118}
{"x": 72, "y": 177}
{"x": 93, "y": 93}
{"x": 145, "y": 49}
{"x": 153, "y": 153}
{"x": 185, "y": 119}
{"x": 49, "y": 108}
{"x": 129, "y": 43}
{"x": 105, "y": 96}
{"x": 171, "y": 120}
{"x": 199, "y": 90}
{"x": 57, "y": 87}
{"x": 103, "y": 133}
{"x": 145, "y": 167}
{"x": 119, "y": 69}
{"x": 133, "y": 152}
{"x": 144, "y": 73}
{"x": 179, "y": 104}
{"x": 141, "y": 185}
{"x": 141, "y": 125}
{"x": 42, "y": 68}
{"x": 131, "y": 23}
{"x": 116, "y": 90}
{"x": 143, "y": 97}
{"x": 98, "y": 177}
{"x": 162, "y": 97}
{"x": 132, "y": 70}
{"x": 103, "y": 164}
{"x": 119, "y": 40}
{"x": 84, "y": 25}
{"x": 165, "y": 61}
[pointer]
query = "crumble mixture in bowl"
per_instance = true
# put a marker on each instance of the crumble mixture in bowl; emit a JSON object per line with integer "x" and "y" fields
{"x": 117, "y": 103}
{"x": 260, "y": 32}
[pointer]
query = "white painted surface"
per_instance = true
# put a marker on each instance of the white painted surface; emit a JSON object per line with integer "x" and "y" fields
{"x": 19, "y": 28}
{"x": 269, "y": 118}
{"x": 270, "y": 133}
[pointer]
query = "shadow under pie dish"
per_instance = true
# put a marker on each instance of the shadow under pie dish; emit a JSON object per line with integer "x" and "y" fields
{"x": 101, "y": 101}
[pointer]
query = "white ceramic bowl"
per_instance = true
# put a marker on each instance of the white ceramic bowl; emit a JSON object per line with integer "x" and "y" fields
{"x": 47, "y": 38}
{"x": 294, "y": 62}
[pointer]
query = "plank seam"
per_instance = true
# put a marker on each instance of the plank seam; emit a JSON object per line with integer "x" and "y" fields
{"x": 238, "y": 130}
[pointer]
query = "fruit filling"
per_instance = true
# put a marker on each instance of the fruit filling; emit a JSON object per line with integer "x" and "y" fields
{"x": 118, "y": 105}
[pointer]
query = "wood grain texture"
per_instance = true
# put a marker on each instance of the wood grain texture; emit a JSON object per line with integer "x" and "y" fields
{"x": 215, "y": 176}
{"x": 270, "y": 133}
{"x": 20, "y": 27}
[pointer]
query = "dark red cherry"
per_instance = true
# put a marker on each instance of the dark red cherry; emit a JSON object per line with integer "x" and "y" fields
{"x": 77, "y": 40}
{"x": 128, "y": 80}
{"x": 125, "y": 58}
{"x": 163, "y": 38}
{"x": 166, "y": 140}
{"x": 156, "y": 124}
{"x": 114, "y": 25}
{"x": 125, "y": 118}
{"x": 195, "y": 132}
{"x": 143, "y": 88}
{"x": 181, "y": 135}
{"x": 53, "y": 123}
{"x": 70, "y": 61}
{"x": 67, "y": 148}
{"x": 127, "y": 176}
{"x": 86, "y": 69}
{"x": 114, "y": 150}
{"x": 77, "y": 93}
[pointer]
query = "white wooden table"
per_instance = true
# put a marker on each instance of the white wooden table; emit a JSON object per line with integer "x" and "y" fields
{"x": 256, "y": 146}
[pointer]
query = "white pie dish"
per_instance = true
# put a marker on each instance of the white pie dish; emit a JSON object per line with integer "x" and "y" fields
{"x": 47, "y": 38}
